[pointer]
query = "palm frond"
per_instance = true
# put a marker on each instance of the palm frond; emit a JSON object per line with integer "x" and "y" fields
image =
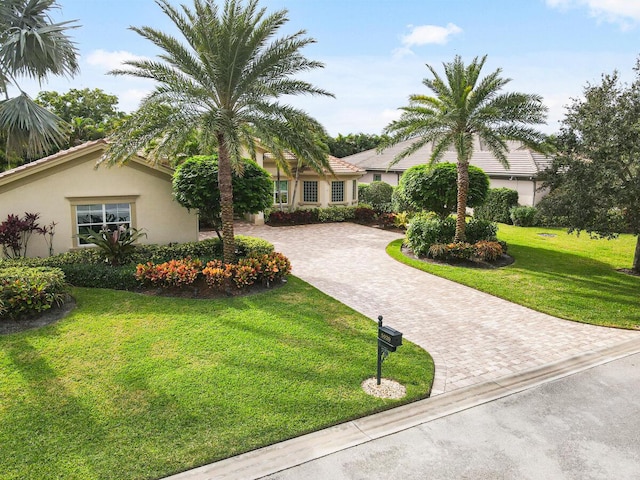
{"x": 31, "y": 44}
{"x": 31, "y": 129}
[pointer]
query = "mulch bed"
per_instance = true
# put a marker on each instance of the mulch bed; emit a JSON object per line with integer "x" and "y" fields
{"x": 503, "y": 261}
{"x": 47, "y": 317}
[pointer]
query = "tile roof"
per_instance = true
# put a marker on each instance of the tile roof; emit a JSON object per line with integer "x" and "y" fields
{"x": 522, "y": 161}
{"x": 52, "y": 158}
{"x": 338, "y": 165}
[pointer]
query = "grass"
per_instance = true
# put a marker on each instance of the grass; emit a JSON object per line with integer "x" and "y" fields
{"x": 132, "y": 386}
{"x": 566, "y": 276}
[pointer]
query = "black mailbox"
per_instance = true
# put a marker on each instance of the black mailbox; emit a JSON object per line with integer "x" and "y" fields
{"x": 390, "y": 338}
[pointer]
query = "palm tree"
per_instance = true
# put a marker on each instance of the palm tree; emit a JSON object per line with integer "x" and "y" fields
{"x": 466, "y": 106}
{"x": 225, "y": 82}
{"x": 32, "y": 45}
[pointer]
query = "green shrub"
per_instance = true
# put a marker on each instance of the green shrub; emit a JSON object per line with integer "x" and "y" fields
{"x": 478, "y": 229}
{"x": 336, "y": 214}
{"x": 363, "y": 192}
{"x": 247, "y": 246}
{"x": 497, "y": 206}
{"x": 100, "y": 276}
{"x": 523, "y": 216}
{"x": 378, "y": 195}
{"x": 25, "y": 290}
{"x": 400, "y": 202}
{"x": 424, "y": 232}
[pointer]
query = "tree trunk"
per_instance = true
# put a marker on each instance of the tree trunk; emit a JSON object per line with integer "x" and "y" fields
{"x": 463, "y": 191}
{"x": 295, "y": 189}
{"x": 636, "y": 256}
{"x": 226, "y": 201}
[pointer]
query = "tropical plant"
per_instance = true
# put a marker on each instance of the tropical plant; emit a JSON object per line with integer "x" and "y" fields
{"x": 16, "y": 231}
{"x": 466, "y": 106}
{"x": 225, "y": 82}
{"x": 114, "y": 246}
{"x": 32, "y": 45}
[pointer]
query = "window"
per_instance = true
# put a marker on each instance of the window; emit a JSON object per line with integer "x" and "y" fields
{"x": 280, "y": 192}
{"x": 354, "y": 189}
{"x": 95, "y": 216}
{"x": 310, "y": 191}
{"x": 337, "y": 192}
{"x": 377, "y": 177}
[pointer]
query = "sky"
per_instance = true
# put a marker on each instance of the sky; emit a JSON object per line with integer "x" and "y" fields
{"x": 375, "y": 52}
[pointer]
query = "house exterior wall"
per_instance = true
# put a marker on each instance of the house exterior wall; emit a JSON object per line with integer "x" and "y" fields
{"x": 54, "y": 192}
{"x": 527, "y": 193}
{"x": 392, "y": 178}
{"x": 527, "y": 189}
{"x": 324, "y": 186}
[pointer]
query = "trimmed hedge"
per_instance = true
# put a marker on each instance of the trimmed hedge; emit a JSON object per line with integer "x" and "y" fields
{"x": 25, "y": 290}
{"x": 497, "y": 206}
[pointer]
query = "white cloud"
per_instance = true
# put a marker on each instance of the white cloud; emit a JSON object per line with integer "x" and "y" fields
{"x": 110, "y": 60}
{"x": 426, "y": 34}
{"x": 626, "y": 13}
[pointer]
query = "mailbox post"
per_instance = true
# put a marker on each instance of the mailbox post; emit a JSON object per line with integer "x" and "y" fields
{"x": 388, "y": 341}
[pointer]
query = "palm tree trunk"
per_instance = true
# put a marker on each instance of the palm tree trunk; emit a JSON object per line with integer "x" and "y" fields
{"x": 461, "y": 211}
{"x": 636, "y": 256}
{"x": 295, "y": 189}
{"x": 226, "y": 201}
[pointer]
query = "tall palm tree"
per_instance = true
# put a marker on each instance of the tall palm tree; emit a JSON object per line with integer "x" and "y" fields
{"x": 225, "y": 82}
{"x": 465, "y": 106}
{"x": 32, "y": 45}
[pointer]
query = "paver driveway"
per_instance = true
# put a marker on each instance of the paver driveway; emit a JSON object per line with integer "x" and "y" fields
{"x": 472, "y": 336}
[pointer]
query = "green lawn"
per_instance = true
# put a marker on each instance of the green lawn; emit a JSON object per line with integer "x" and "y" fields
{"x": 566, "y": 276}
{"x": 132, "y": 386}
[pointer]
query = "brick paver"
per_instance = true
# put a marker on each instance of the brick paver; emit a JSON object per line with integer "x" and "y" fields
{"x": 472, "y": 336}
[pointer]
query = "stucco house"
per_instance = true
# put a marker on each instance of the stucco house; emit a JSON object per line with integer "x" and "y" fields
{"x": 522, "y": 175}
{"x": 68, "y": 189}
{"x": 312, "y": 189}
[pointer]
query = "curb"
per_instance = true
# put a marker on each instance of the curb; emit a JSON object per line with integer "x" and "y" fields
{"x": 296, "y": 451}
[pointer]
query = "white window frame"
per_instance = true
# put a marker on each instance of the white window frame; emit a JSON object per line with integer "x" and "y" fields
{"x": 377, "y": 177}
{"x": 76, "y": 202}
